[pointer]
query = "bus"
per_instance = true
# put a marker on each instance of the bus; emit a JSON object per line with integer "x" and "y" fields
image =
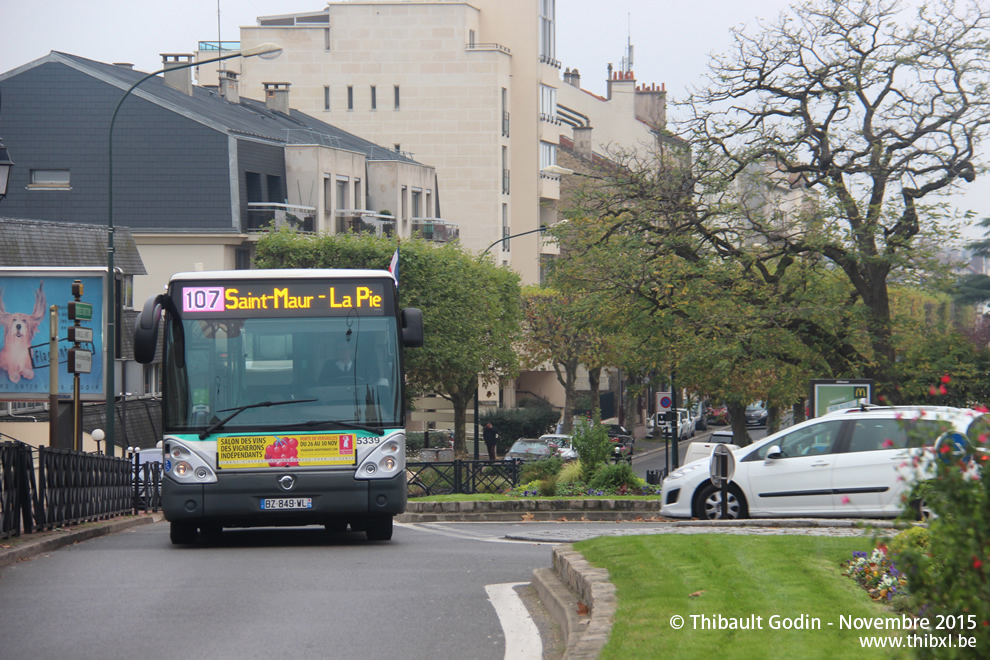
{"x": 282, "y": 399}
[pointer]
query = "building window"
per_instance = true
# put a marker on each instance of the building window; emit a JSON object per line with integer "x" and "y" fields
{"x": 326, "y": 38}
{"x": 417, "y": 195}
{"x": 505, "y": 112}
{"x": 350, "y": 97}
{"x": 341, "y": 193}
{"x": 54, "y": 179}
{"x": 398, "y": 148}
{"x": 548, "y": 39}
{"x": 327, "y": 194}
{"x": 275, "y": 192}
{"x": 548, "y": 155}
{"x": 357, "y": 194}
{"x": 396, "y": 97}
{"x": 153, "y": 378}
{"x": 242, "y": 259}
{"x": 405, "y": 203}
{"x": 505, "y": 226}
{"x": 505, "y": 170}
{"x": 374, "y": 98}
{"x": 428, "y": 208}
{"x": 326, "y": 97}
{"x": 548, "y": 103}
{"x": 253, "y": 187}
{"x": 470, "y": 38}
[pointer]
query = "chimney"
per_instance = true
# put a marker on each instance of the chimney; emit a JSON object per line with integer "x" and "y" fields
{"x": 277, "y": 97}
{"x": 228, "y": 86}
{"x": 576, "y": 78}
{"x": 651, "y": 105}
{"x": 582, "y": 142}
{"x": 180, "y": 79}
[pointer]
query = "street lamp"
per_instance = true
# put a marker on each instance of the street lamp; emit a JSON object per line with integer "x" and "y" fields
{"x": 505, "y": 238}
{"x": 266, "y": 51}
{"x": 5, "y": 164}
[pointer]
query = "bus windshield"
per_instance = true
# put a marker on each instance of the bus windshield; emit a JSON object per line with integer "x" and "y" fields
{"x": 338, "y": 372}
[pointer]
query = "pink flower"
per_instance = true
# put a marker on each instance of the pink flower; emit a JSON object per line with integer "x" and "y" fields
{"x": 946, "y": 379}
{"x": 845, "y": 499}
{"x": 977, "y": 563}
{"x": 932, "y": 390}
{"x": 942, "y": 390}
{"x": 888, "y": 443}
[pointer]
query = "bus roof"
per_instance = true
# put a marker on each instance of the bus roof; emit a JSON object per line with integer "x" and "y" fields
{"x": 286, "y": 273}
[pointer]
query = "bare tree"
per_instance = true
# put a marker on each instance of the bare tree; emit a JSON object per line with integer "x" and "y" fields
{"x": 879, "y": 111}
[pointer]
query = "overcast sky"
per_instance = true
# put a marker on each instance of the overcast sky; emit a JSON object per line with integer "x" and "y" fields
{"x": 672, "y": 39}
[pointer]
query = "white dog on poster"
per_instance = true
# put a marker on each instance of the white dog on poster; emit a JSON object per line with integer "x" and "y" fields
{"x": 18, "y": 331}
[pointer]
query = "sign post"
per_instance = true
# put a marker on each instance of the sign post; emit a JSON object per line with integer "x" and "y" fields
{"x": 721, "y": 468}
{"x": 80, "y": 361}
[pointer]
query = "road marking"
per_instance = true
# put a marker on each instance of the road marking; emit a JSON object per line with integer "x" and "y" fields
{"x": 522, "y": 638}
{"x": 441, "y": 529}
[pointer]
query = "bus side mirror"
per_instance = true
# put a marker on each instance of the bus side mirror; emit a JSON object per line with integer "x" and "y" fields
{"x": 146, "y": 330}
{"x": 412, "y": 327}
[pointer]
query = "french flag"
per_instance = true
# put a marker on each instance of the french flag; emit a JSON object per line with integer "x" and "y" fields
{"x": 393, "y": 267}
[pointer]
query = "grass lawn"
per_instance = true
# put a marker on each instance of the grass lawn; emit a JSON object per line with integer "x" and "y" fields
{"x": 738, "y": 577}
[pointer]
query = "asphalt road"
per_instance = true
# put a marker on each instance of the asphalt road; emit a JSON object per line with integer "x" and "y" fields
{"x": 263, "y": 593}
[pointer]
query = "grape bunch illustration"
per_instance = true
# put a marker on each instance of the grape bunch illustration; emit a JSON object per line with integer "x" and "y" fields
{"x": 284, "y": 452}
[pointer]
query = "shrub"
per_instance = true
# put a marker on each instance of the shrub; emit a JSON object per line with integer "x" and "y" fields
{"x": 593, "y": 446}
{"x": 541, "y": 469}
{"x": 913, "y": 539}
{"x": 615, "y": 476}
{"x": 949, "y": 576}
{"x": 547, "y": 487}
{"x": 570, "y": 473}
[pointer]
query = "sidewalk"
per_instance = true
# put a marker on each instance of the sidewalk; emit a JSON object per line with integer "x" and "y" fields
{"x": 22, "y": 547}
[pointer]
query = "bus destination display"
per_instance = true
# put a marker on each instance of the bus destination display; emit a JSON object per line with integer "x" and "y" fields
{"x": 286, "y": 298}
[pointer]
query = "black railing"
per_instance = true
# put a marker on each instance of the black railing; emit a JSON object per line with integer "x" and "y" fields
{"x": 45, "y": 488}
{"x": 461, "y": 477}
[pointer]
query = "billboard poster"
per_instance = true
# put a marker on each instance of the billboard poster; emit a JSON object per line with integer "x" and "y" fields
{"x": 25, "y": 360}
{"x": 831, "y": 395}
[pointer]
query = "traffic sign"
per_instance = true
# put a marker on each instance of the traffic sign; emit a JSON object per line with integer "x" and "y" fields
{"x": 80, "y": 311}
{"x": 80, "y": 334}
{"x": 722, "y": 466}
{"x": 664, "y": 401}
{"x": 80, "y": 361}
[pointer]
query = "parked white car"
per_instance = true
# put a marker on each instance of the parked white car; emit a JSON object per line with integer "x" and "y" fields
{"x": 702, "y": 450}
{"x": 560, "y": 445}
{"x": 656, "y": 426}
{"x": 850, "y": 463}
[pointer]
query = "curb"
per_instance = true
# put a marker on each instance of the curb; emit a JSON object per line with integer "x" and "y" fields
{"x": 37, "y": 543}
{"x": 570, "y": 584}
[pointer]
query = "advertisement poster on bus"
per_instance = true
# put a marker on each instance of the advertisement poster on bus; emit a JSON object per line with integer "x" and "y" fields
{"x": 260, "y": 451}
{"x": 25, "y": 298}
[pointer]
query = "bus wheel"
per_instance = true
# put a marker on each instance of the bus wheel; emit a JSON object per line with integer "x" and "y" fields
{"x": 379, "y": 529}
{"x": 182, "y": 533}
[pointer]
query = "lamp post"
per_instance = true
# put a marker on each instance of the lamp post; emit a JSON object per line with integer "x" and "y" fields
{"x": 267, "y": 51}
{"x": 505, "y": 238}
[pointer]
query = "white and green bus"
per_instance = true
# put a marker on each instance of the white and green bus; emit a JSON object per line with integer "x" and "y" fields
{"x": 282, "y": 399}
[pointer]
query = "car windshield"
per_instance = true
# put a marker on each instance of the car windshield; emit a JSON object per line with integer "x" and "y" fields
{"x": 755, "y": 407}
{"x": 530, "y": 446}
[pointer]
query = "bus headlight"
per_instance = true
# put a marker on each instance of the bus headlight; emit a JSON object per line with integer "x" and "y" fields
{"x": 384, "y": 461}
{"x": 185, "y": 466}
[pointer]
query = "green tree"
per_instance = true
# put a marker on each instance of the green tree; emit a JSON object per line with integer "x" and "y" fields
{"x": 878, "y": 112}
{"x": 471, "y": 308}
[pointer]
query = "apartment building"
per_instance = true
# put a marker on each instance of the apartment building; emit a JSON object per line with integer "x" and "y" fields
{"x": 473, "y": 88}
{"x": 198, "y": 172}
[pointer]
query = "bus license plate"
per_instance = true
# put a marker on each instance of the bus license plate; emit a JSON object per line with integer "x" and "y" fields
{"x": 283, "y": 503}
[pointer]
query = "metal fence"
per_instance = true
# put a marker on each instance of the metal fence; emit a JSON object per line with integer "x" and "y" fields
{"x": 463, "y": 477}
{"x": 43, "y": 488}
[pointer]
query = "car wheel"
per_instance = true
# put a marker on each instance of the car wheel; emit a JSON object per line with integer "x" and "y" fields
{"x": 182, "y": 533}
{"x": 379, "y": 529}
{"x": 708, "y": 504}
{"x": 922, "y": 511}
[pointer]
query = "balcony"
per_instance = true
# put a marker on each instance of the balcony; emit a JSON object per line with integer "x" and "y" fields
{"x": 267, "y": 215}
{"x": 362, "y": 221}
{"x": 436, "y": 230}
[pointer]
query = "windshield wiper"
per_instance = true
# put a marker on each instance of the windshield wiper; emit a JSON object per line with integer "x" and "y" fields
{"x": 343, "y": 424}
{"x": 237, "y": 411}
